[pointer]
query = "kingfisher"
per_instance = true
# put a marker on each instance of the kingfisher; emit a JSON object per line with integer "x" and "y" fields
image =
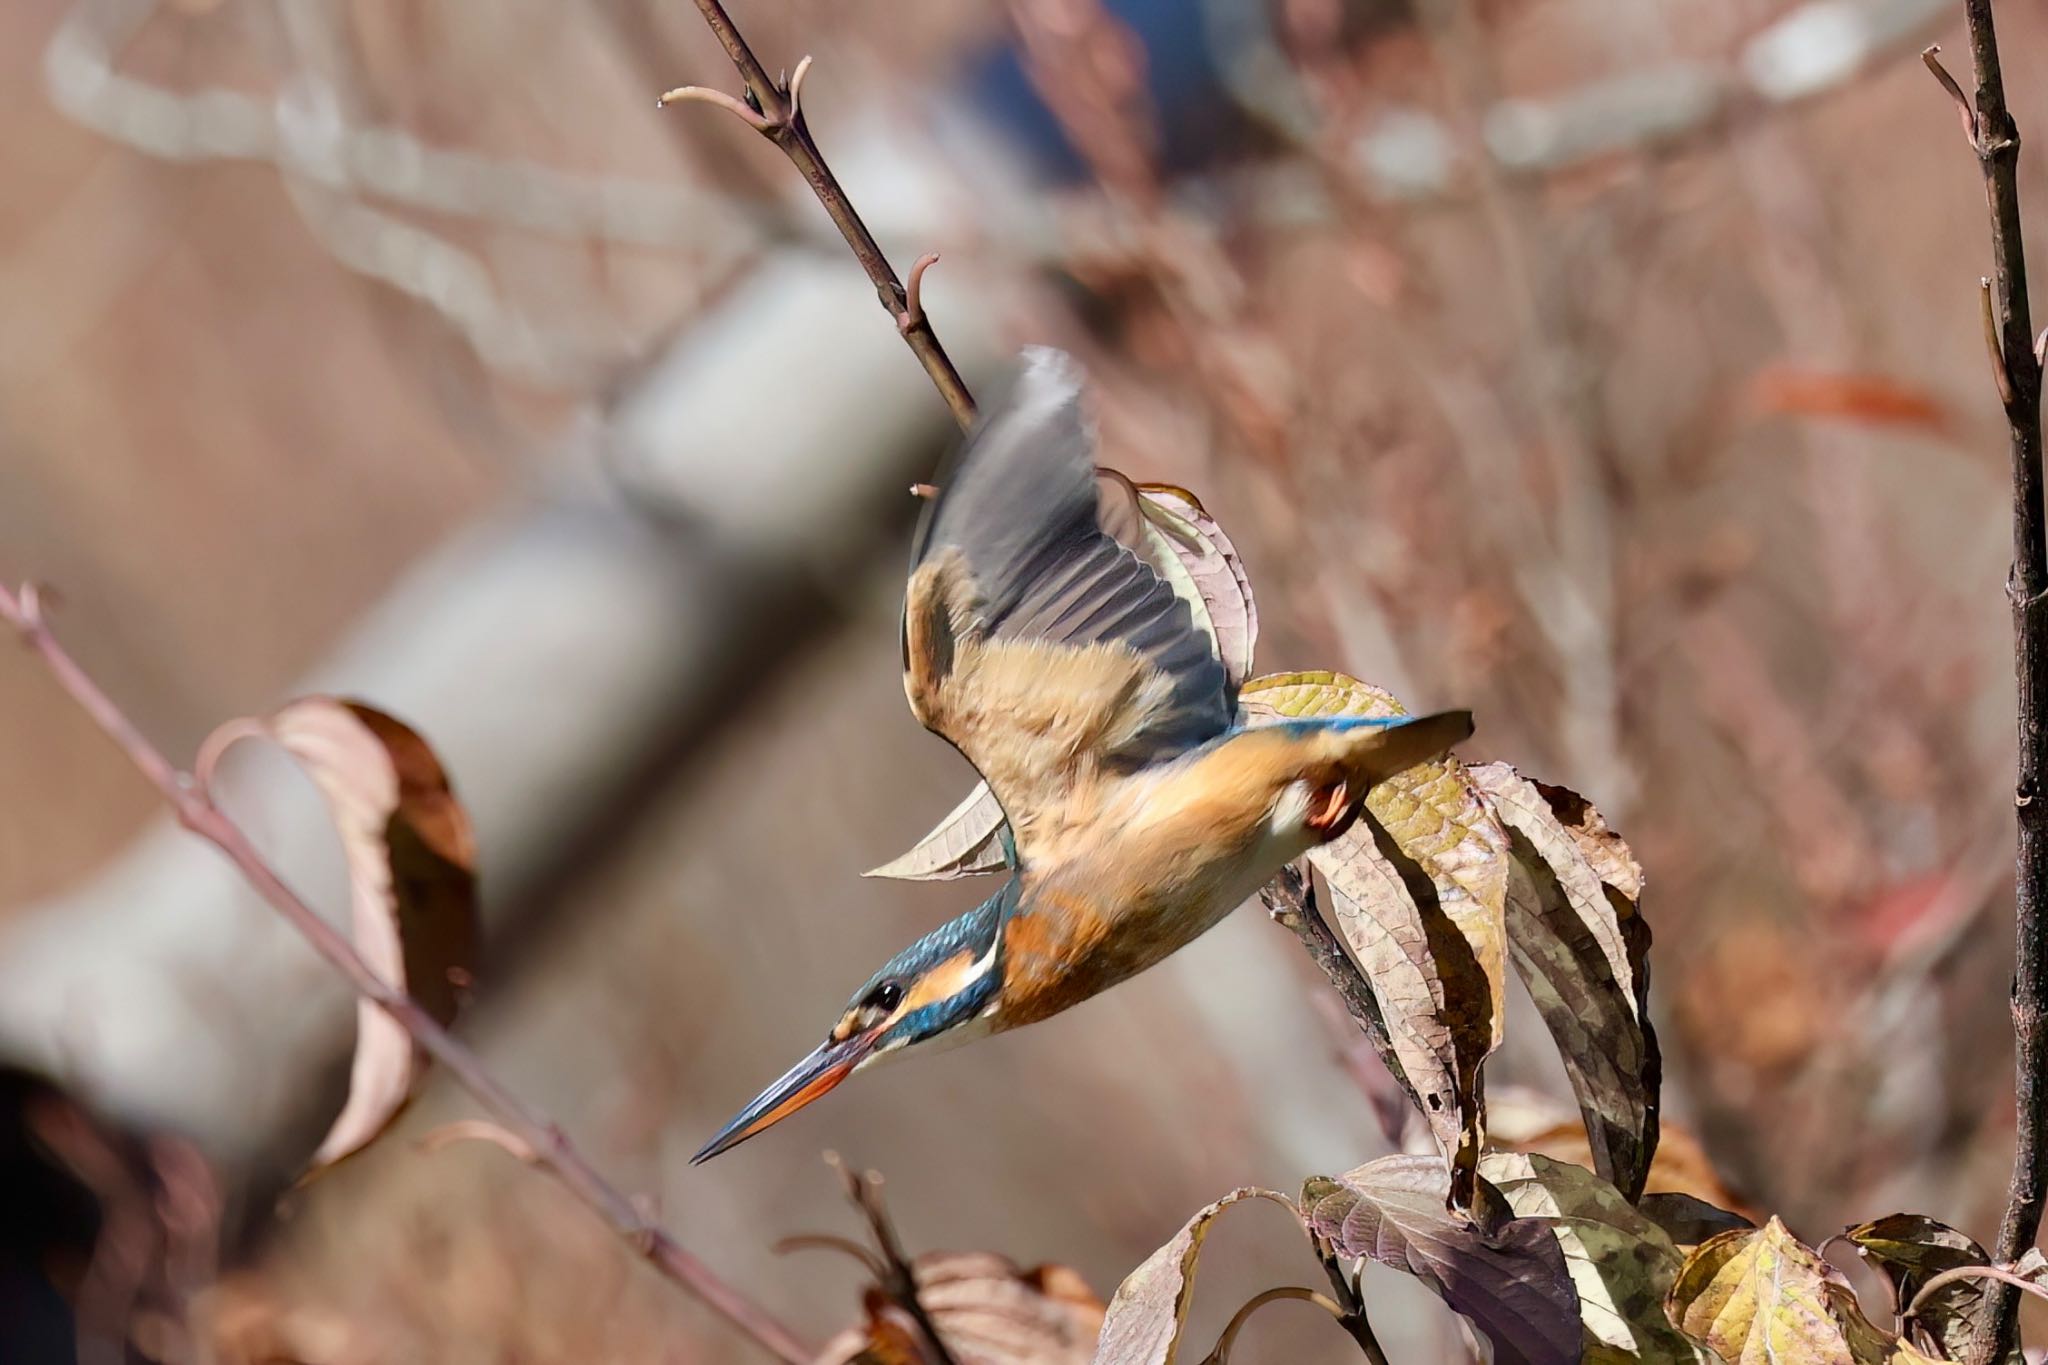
{"x": 1069, "y": 673}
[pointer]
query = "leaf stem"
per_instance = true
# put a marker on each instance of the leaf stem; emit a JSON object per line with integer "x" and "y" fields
{"x": 1970, "y": 1272}
{"x": 1351, "y": 1300}
{"x": 1221, "y": 1354}
{"x": 552, "y": 1150}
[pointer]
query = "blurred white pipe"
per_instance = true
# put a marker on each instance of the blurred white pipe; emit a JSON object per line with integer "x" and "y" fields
{"x": 539, "y": 651}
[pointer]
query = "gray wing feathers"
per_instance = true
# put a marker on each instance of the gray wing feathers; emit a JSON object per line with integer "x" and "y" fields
{"x": 1020, "y": 503}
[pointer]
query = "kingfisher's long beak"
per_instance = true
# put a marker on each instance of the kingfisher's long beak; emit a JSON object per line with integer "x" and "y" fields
{"x": 832, "y": 1062}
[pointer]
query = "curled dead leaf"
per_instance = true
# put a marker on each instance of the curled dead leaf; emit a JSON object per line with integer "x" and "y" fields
{"x": 1216, "y": 576}
{"x": 968, "y": 841}
{"x": 1150, "y": 1308}
{"x": 1909, "y": 1250}
{"x": 1418, "y": 888}
{"x": 412, "y": 885}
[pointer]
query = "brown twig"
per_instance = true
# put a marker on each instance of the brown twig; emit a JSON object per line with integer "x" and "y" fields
{"x": 777, "y": 114}
{"x": 1290, "y": 899}
{"x": 898, "y": 1279}
{"x": 1351, "y": 1314}
{"x": 1996, "y": 142}
{"x": 552, "y": 1149}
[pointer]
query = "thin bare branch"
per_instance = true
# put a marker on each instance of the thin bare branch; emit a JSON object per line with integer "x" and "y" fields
{"x": 1996, "y": 141}
{"x": 553, "y": 1151}
{"x": 825, "y": 1241}
{"x": 780, "y": 120}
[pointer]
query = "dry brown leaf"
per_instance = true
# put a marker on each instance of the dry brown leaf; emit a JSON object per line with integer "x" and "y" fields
{"x": 1222, "y": 592}
{"x": 988, "y": 1312}
{"x": 967, "y": 842}
{"x": 1759, "y": 1297}
{"x": 1419, "y": 890}
{"x": 412, "y": 886}
{"x": 1145, "y": 1318}
{"x": 1582, "y": 949}
{"x": 1511, "y": 1282}
{"x": 1909, "y": 1250}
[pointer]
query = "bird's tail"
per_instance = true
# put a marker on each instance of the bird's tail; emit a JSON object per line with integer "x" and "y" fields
{"x": 1374, "y": 750}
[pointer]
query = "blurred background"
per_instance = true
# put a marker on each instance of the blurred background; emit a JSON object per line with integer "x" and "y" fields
{"x": 1613, "y": 370}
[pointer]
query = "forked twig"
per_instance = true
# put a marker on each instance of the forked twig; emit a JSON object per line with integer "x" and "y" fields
{"x": 898, "y": 1277}
{"x": 552, "y": 1150}
{"x": 777, "y": 114}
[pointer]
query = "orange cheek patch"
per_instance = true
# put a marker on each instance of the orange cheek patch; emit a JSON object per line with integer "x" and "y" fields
{"x": 940, "y": 983}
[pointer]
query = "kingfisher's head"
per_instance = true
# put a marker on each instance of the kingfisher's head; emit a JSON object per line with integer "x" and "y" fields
{"x": 940, "y": 990}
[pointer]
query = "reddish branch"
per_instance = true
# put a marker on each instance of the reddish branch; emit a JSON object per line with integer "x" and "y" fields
{"x": 551, "y": 1148}
{"x": 775, "y": 111}
{"x": 1996, "y": 141}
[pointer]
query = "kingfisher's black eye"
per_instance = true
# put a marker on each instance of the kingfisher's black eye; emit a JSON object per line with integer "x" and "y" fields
{"x": 886, "y": 996}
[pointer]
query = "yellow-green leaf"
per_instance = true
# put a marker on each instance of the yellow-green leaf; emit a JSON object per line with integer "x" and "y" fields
{"x": 1418, "y": 888}
{"x": 1760, "y": 1297}
{"x": 1620, "y": 1262}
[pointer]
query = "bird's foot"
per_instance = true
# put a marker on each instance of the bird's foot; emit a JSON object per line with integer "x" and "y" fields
{"x": 1331, "y": 810}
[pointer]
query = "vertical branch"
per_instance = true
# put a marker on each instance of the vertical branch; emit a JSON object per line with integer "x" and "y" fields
{"x": 775, "y": 111}
{"x": 2016, "y": 369}
{"x": 549, "y": 1147}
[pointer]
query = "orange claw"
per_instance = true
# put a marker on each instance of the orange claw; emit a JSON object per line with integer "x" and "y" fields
{"x": 1331, "y": 815}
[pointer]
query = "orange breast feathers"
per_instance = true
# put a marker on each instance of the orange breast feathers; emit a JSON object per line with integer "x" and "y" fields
{"x": 1168, "y": 853}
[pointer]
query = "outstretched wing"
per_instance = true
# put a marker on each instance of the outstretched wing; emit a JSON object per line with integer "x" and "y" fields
{"x": 1040, "y": 647}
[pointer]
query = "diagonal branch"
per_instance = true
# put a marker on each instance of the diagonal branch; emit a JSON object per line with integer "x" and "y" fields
{"x": 1290, "y": 898}
{"x": 776, "y": 112}
{"x": 550, "y": 1147}
{"x": 1996, "y": 141}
